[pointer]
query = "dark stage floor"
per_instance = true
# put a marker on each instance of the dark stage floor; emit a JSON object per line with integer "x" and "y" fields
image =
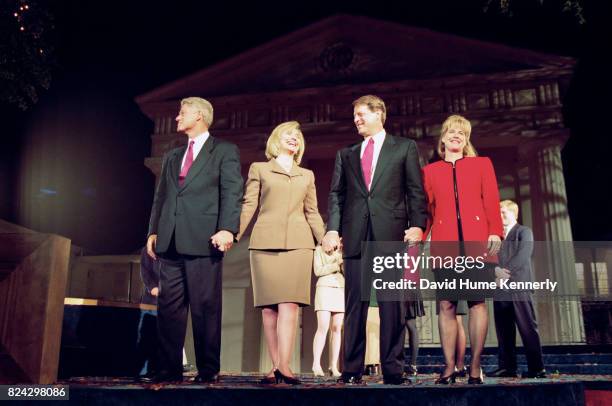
{"x": 236, "y": 389}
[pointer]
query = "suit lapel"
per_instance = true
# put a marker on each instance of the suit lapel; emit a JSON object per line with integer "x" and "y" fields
{"x": 201, "y": 161}
{"x": 355, "y": 164}
{"x": 512, "y": 234}
{"x": 384, "y": 158}
{"x": 507, "y": 243}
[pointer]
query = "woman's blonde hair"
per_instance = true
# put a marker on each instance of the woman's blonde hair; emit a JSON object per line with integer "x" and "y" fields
{"x": 273, "y": 144}
{"x": 465, "y": 126}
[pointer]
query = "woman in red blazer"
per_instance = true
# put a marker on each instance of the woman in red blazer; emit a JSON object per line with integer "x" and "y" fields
{"x": 463, "y": 202}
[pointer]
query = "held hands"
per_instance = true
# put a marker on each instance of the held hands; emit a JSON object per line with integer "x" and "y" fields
{"x": 155, "y": 291}
{"x": 494, "y": 244}
{"x": 330, "y": 242}
{"x": 223, "y": 240}
{"x": 151, "y": 241}
{"x": 413, "y": 236}
{"x": 501, "y": 274}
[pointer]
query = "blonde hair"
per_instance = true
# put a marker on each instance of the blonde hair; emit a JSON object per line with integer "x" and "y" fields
{"x": 465, "y": 126}
{"x": 374, "y": 103}
{"x": 510, "y": 205}
{"x": 201, "y": 105}
{"x": 273, "y": 144}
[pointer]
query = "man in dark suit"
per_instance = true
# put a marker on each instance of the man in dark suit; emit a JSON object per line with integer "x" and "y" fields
{"x": 376, "y": 195}
{"x": 515, "y": 308}
{"x": 195, "y": 215}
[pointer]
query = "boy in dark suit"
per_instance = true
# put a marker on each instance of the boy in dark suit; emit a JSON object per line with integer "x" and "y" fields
{"x": 515, "y": 309}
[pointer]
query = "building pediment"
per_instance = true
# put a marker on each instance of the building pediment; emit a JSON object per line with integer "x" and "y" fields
{"x": 349, "y": 50}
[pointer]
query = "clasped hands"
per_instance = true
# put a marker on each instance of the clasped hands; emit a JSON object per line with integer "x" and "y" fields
{"x": 332, "y": 240}
{"x": 222, "y": 240}
{"x": 501, "y": 274}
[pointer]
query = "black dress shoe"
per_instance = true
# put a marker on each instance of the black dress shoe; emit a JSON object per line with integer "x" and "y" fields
{"x": 502, "y": 373}
{"x": 166, "y": 377}
{"x": 395, "y": 379}
{"x": 350, "y": 379}
{"x": 534, "y": 374}
{"x": 206, "y": 378}
{"x": 143, "y": 379}
{"x": 146, "y": 378}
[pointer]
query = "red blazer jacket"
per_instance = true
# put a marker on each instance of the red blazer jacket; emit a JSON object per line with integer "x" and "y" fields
{"x": 477, "y": 203}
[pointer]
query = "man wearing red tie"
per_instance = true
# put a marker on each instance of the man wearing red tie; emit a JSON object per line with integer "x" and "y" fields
{"x": 195, "y": 215}
{"x": 376, "y": 195}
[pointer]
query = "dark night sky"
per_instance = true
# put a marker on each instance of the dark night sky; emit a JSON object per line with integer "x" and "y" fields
{"x": 108, "y": 52}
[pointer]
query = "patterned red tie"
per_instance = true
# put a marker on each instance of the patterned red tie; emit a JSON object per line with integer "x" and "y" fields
{"x": 366, "y": 162}
{"x": 187, "y": 164}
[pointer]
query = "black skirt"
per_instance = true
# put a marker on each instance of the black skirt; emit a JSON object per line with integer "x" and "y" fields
{"x": 414, "y": 309}
{"x": 473, "y": 277}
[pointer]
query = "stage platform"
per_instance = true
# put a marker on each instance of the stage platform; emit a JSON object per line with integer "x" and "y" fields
{"x": 243, "y": 389}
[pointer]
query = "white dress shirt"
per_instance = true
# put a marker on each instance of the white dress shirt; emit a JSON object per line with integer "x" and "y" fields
{"x": 509, "y": 228}
{"x": 198, "y": 143}
{"x": 379, "y": 139}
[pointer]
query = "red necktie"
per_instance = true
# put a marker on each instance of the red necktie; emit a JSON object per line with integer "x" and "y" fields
{"x": 187, "y": 164}
{"x": 366, "y": 162}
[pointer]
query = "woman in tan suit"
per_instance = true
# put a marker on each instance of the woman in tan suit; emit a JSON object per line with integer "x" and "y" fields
{"x": 282, "y": 241}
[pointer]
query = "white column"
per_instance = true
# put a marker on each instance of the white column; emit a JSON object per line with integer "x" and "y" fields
{"x": 560, "y": 320}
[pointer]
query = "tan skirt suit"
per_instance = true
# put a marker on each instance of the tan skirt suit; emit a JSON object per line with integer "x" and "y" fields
{"x": 283, "y": 238}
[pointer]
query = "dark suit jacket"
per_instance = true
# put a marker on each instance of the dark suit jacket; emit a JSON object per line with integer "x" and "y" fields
{"x": 515, "y": 253}
{"x": 208, "y": 201}
{"x": 395, "y": 201}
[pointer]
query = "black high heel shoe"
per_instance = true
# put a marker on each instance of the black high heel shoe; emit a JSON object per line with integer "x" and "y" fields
{"x": 445, "y": 380}
{"x": 461, "y": 372}
{"x": 280, "y": 378}
{"x": 268, "y": 380}
{"x": 479, "y": 380}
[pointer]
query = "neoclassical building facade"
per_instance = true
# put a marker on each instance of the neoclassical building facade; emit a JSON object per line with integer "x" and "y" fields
{"x": 513, "y": 98}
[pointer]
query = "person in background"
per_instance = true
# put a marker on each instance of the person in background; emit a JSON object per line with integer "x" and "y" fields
{"x": 460, "y": 367}
{"x": 147, "y": 346}
{"x": 414, "y": 309}
{"x": 329, "y": 306}
{"x": 514, "y": 309}
{"x": 372, "y": 341}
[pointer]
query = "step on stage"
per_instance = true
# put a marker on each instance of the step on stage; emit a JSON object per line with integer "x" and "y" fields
{"x": 243, "y": 389}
